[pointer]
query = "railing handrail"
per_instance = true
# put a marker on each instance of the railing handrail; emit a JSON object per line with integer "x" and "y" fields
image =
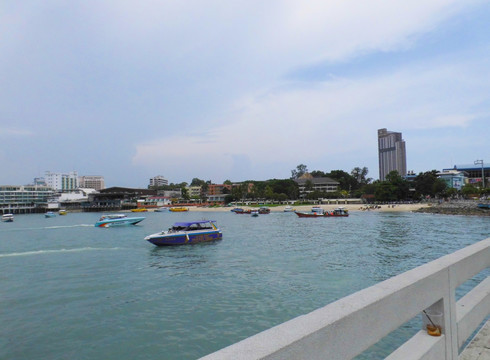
{"x": 347, "y": 327}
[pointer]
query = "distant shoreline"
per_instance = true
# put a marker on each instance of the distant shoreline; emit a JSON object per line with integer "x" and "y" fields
{"x": 349, "y": 207}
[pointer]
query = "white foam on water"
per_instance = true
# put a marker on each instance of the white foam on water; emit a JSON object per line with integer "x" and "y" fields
{"x": 43, "y": 252}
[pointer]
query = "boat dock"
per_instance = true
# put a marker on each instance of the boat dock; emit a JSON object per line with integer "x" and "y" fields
{"x": 372, "y": 313}
{"x": 479, "y": 347}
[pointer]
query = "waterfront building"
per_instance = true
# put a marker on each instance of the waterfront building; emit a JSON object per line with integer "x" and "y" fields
{"x": 92, "y": 182}
{"x": 116, "y": 198}
{"x": 307, "y": 184}
{"x": 391, "y": 153}
{"x": 454, "y": 179}
{"x": 194, "y": 191}
{"x": 158, "y": 181}
{"x": 62, "y": 181}
{"x": 474, "y": 173}
{"x": 24, "y": 198}
{"x": 219, "y": 189}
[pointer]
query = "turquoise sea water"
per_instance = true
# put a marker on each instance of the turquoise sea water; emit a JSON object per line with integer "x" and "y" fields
{"x": 69, "y": 290}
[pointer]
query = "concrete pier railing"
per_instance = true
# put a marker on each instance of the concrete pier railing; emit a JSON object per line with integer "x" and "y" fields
{"x": 347, "y": 327}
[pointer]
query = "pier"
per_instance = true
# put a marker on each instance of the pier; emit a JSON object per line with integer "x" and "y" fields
{"x": 349, "y": 326}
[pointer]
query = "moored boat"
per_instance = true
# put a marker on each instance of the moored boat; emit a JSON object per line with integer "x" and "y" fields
{"x": 264, "y": 210}
{"x": 178, "y": 209}
{"x": 117, "y": 220}
{"x": 484, "y": 206}
{"x": 62, "y": 212}
{"x": 319, "y": 212}
{"x": 191, "y": 232}
{"x": 289, "y": 208}
{"x": 49, "y": 214}
{"x": 254, "y": 213}
{"x": 139, "y": 210}
{"x": 7, "y": 218}
{"x": 162, "y": 209}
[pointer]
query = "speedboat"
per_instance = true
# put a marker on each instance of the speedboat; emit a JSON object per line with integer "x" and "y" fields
{"x": 191, "y": 232}
{"x": 62, "y": 212}
{"x": 161, "y": 209}
{"x": 319, "y": 212}
{"x": 254, "y": 213}
{"x": 117, "y": 220}
{"x": 289, "y": 208}
{"x": 49, "y": 214}
{"x": 7, "y": 217}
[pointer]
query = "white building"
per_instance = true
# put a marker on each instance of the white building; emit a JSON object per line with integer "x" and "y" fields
{"x": 62, "y": 182}
{"x": 158, "y": 181}
{"x": 92, "y": 182}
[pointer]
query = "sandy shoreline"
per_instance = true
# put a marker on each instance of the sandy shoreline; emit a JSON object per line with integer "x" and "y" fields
{"x": 350, "y": 207}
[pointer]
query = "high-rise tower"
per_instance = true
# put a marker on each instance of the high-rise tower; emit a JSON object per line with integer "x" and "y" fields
{"x": 391, "y": 152}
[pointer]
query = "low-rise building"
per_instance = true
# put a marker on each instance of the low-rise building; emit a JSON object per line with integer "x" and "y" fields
{"x": 24, "y": 198}
{"x": 454, "y": 179}
{"x": 307, "y": 184}
{"x": 158, "y": 181}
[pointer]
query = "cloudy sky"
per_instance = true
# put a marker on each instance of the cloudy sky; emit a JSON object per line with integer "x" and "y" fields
{"x": 239, "y": 89}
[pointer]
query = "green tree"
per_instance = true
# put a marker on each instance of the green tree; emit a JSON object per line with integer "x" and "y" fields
{"x": 347, "y": 181}
{"x": 428, "y": 184}
{"x": 300, "y": 170}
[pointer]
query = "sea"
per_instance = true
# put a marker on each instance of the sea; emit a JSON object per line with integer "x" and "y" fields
{"x": 69, "y": 290}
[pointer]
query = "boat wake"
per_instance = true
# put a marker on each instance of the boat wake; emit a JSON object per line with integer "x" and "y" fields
{"x": 57, "y": 251}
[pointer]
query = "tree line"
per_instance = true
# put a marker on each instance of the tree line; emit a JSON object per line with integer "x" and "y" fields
{"x": 355, "y": 184}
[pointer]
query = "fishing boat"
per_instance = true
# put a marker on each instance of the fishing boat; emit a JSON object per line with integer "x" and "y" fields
{"x": 178, "y": 209}
{"x": 62, "y": 212}
{"x": 319, "y": 212}
{"x": 7, "y": 218}
{"x": 49, "y": 214}
{"x": 264, "y": 210}
{"x": 117, "y": 220}
{"x": 242, "y": 211}
{"x": 191, "y": 232}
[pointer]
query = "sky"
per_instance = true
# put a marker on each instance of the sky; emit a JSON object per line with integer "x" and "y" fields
{"x": 239, "y": 90}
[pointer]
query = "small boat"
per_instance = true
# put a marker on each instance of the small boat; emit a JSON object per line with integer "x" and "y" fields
{"x": 254, "y": 213}
{"x": 236, "y": 210}
{"x": 49, "y": 214}
{"x": 117, "y": 220}
{"x": 62, "y": 212}
{"x": 241, "y": 211}
{"x": 7, "y": 218}
{"x": 289, "y": 208}
{"x": 319, "y": 212}
{"x": 484, "y": 206}
{"x": 264, "y": 210}
{"x": 191, "y": 232}
{"x": 139, "y": 210}
{"x": 162, "y": 209}
{"x": 178, "y": 209}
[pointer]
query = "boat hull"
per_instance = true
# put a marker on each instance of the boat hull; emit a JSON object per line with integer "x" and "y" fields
{"x": 315, "y": 215}
{"x": 119, "y": 222}
{"x": 184, "y": 238}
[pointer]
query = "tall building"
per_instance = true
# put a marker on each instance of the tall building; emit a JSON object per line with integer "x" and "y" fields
{"x": 62, "y": 182}
{"x": 92, "y": 182}
{"x": 391, "y": 152}
{"x": 158, "y": 181}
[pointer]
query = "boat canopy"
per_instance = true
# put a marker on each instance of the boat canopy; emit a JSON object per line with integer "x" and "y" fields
{"x": 193, "y": 222}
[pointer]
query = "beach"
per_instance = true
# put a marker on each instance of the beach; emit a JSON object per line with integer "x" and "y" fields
{"x": 349, "y": 207}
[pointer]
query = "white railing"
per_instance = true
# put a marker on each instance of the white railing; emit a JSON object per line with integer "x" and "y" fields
{"x": 347, "y": 327}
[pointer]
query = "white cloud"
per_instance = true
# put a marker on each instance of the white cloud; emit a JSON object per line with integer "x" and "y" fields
{"x": 8, "y": 132}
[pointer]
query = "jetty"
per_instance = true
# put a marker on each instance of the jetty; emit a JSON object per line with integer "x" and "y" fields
{"x": 347, "y": 327}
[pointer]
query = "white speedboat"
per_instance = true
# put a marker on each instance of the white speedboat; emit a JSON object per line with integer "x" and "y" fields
{"x": 7, "y": 217}
{"x": 117, "y": 220}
